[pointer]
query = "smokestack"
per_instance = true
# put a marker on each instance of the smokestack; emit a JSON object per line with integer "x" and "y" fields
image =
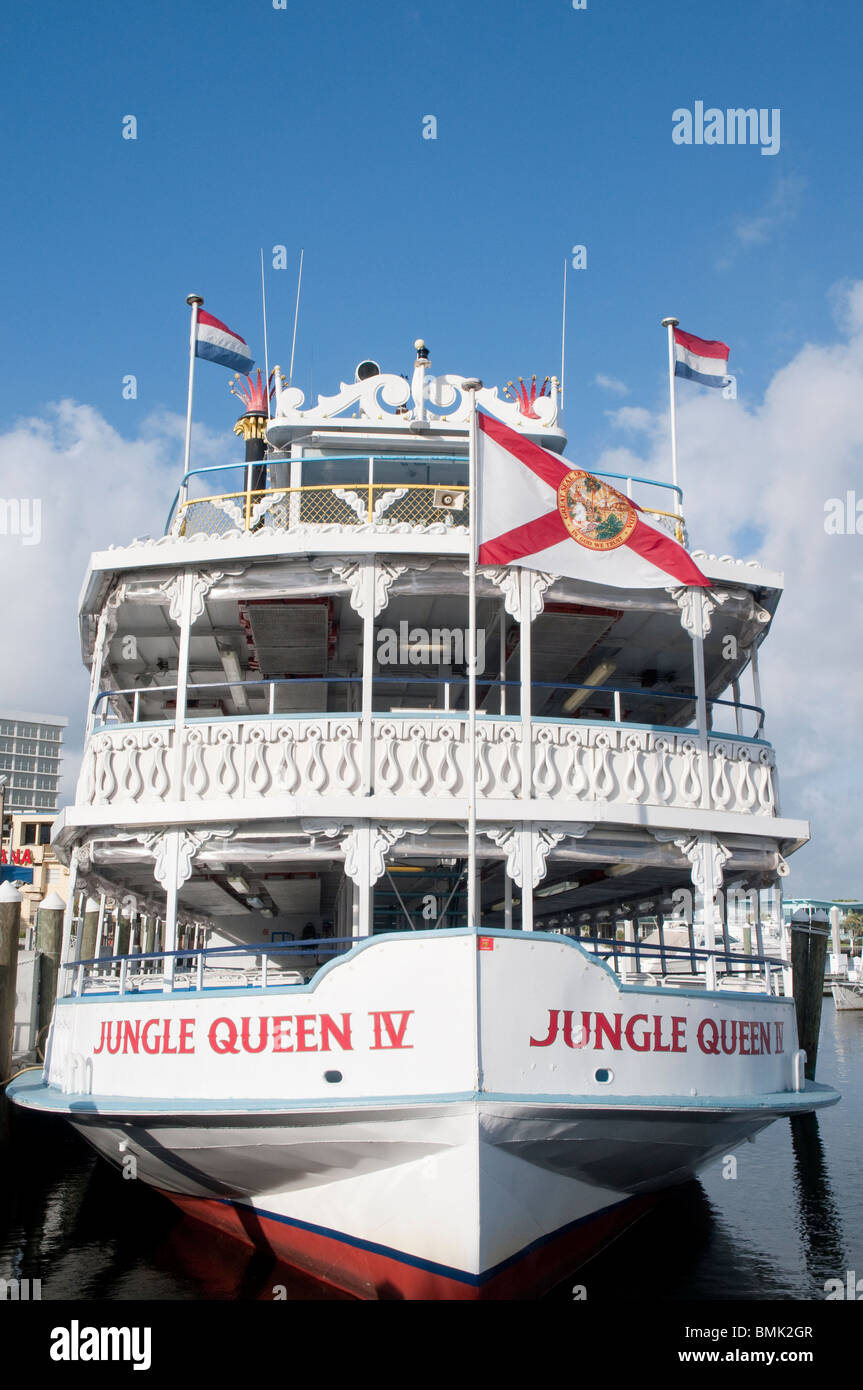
{"x": 252, "y": 426}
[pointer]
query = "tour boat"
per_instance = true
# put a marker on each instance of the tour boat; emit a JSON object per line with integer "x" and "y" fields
{"x": 362, "y": 873}
{"x": 847, "y": 994}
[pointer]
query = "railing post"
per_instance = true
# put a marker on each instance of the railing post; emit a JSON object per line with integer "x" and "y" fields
{"x": 272, "y": 706}
{"x": 371, "y": 503}
{"x": 264, "y": 971}
{"x": 200, "y": 972}
{"x": 124, "y": 968}
{"x": 136, "y": 702}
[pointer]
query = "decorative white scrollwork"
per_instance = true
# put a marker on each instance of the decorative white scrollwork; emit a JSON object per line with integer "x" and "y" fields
{"x": 545, "y": 776}
{"x": 257, "y": 771}
{"x": 448, "y": 772}
{"x": 386, "y": 500}
{"x": 347, "y": 771}
{"x": 352, "y": 499}
{"x": 426, "y": 757}
{"x": 634, "y": 783}
{"x": 689, "y": 788}
{"x": 174, "y": 851}
{"x": 602, "y": 779}
{"x": 287, "y": 772}
{"x": 507, "y": 578}
{"x": 689, "y": 600}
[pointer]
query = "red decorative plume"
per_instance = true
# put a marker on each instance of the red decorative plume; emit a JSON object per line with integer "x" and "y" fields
{"x": 254, "y": 397}
{"x": 526, "y": 398}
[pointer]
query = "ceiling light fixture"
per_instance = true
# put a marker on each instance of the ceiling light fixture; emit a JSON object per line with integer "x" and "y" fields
{"x": 599, "y": 674}
{"x": 553, "y": 889}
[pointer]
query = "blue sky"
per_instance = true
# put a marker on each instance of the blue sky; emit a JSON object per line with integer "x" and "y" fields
{"x": 303, "y": 127}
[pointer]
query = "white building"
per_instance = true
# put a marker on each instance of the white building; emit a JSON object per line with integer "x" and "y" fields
{"x": 31, "y": 752}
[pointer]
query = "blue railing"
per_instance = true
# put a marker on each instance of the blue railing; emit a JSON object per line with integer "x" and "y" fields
{"x": 486, "y": 687}
{"x": 244, "y": 470}
{"x": 186, "y": 969}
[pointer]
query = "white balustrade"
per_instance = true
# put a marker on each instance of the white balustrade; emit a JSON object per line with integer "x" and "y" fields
{"x": 426, "y": 757}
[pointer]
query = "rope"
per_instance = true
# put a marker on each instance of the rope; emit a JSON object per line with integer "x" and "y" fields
{"x": 18, "y": 1073}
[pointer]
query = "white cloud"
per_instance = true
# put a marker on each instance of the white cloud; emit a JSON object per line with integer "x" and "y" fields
{"x": 770, "y": 467}
{"x": 632, "y": 418}
{"x": 611, "y": 383}
{"x": 780, "y": 207}
{"x": 95, "y": 488}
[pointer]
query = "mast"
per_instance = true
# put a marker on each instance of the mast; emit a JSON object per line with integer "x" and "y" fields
{"x": 472, "y": 386}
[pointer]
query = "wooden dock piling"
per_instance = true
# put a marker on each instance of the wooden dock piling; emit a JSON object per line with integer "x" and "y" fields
{"x": 89, "y": 930}
{"x": 10, "y": 921}
{"x": 809, "y": 936}
{"x": 49, "y": 937}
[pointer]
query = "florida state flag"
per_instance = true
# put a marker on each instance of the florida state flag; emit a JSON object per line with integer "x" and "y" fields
{"x": 536, "y": 510}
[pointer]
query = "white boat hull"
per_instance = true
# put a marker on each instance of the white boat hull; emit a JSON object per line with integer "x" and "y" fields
{"x": 490, "y": 1143}
{"x": 848, "y": 996}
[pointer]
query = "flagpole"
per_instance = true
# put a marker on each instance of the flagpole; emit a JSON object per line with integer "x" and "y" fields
{"x": 296, "y": 317}
{"x": 671, "y": 324}
{"x": 266, "y": 352}
{"x": 473, "y": 385}
{"x": 563, "y": 337}
{"x": 194, "y": 301}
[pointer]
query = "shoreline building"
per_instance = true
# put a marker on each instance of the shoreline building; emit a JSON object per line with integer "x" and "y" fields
{"x": 28, "y": 861}
{"x": 31, "y": 754}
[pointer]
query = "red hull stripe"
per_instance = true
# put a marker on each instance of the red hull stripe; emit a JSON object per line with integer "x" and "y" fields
{"x": 667, "y": 555}
{"x": 539, "y": 461}
{"x": 524, "y": 540}
{"x": 702, "y": 347}
{"x": 377, "y": 1271}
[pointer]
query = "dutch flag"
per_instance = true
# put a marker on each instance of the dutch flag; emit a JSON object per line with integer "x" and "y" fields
{"x": 218, "y": 343}
{"x": 700, "y": 360}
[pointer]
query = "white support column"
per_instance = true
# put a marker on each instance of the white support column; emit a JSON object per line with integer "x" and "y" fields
{"x": 367, "y": 724}
{"x": 185, "y": 626}
{"x": 355, "y": 908}
{"x": 507, "y": 899}
{"x": 756, "y": 679}
{"x": 710, "y": 873}
{"x": 502, "y": 662}
{"x": 96, "y": 671}
{"x": 100, "y": 926}
{"x": 700, "y": 694}
{"x": 365, "y": 886}
{"x": 67, "y": 924}
{"x": 172, "y": 892}
{"x": 525, "y": 678}
{"x": 296, "y": 481}
{"x": 527, "y": 851}
{"x": 738, "y": 712}
{"x": 630, "y": 965}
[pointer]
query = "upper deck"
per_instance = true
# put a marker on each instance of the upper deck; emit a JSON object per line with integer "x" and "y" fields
{"x": 279, "y": 692}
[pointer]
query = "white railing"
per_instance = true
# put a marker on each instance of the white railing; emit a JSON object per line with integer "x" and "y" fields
{"x": 425, "y": 756}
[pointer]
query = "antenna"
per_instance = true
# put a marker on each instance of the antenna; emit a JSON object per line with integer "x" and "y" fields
{"x": 266, "y": 353}
{"x": 563, "y": 336}
{"x": 296, "y": 316}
